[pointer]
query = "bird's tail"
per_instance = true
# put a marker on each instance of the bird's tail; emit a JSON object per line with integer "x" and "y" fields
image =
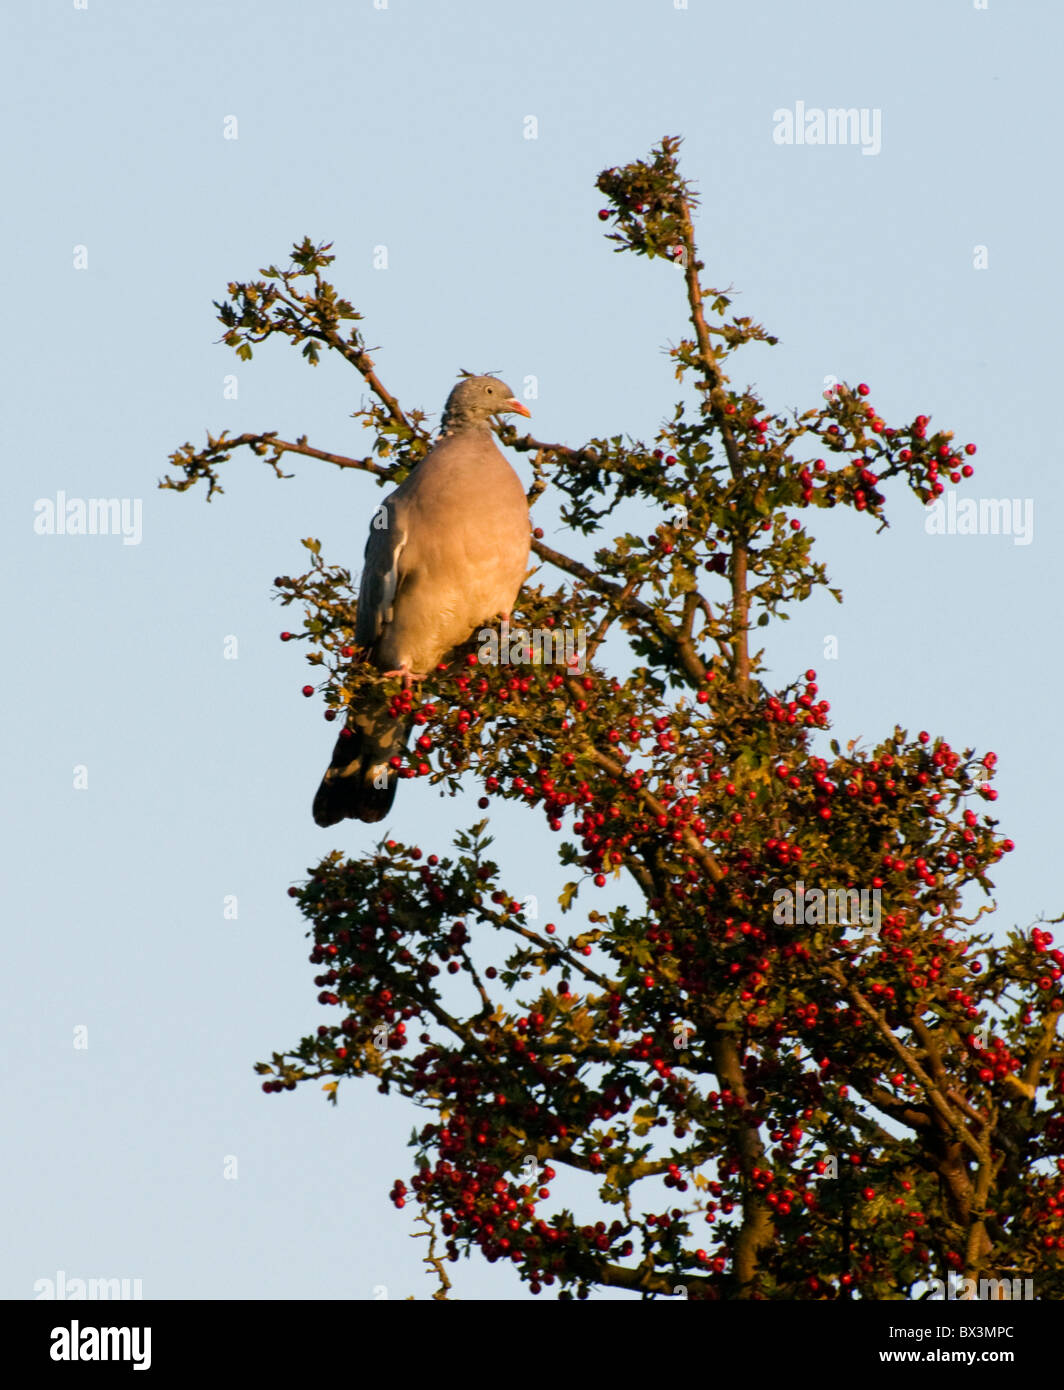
{"x": 360, "y": 782}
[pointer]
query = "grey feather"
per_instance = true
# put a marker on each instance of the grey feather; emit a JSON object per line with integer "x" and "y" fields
{"x": 447, "y": 552}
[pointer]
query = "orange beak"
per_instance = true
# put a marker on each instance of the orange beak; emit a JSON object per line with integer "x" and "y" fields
{"x": 511, "y": 404}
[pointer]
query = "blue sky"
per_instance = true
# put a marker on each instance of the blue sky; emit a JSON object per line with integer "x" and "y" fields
{"x": 405, "y": 127}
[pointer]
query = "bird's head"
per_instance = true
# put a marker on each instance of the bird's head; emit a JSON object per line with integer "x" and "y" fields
{"x": 475, "y": 399}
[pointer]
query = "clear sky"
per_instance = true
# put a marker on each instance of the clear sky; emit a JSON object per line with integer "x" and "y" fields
{"x": 404, "y": 126}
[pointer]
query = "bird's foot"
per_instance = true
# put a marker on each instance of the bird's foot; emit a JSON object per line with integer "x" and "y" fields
{"x": 408, "y": 676}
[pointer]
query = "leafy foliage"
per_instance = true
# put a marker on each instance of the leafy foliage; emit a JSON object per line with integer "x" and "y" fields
{"x": 784, "y": 1089}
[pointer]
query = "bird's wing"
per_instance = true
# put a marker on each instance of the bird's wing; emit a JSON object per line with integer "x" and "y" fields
{"x": 380, "y": 572}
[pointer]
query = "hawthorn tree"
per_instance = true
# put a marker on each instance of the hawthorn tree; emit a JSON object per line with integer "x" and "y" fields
{"x": 777, "y": 1102}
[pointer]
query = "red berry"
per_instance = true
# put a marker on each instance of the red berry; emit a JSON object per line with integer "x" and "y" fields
{"x": 863, "y": 389}
{"x": 286, "y": 637}
{"x": 308, "y": 690}
{"x": 600, "y": 880}
{"x": 969, "y": 449}
{"x": 604, "y": 214}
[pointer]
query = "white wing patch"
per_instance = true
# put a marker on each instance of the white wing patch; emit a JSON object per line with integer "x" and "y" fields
{"x": 389, "y": 584}
{"x": 380, "y": 575}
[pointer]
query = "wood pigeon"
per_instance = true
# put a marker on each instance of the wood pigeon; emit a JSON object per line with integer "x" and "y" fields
{"x": 447, "y": 553}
